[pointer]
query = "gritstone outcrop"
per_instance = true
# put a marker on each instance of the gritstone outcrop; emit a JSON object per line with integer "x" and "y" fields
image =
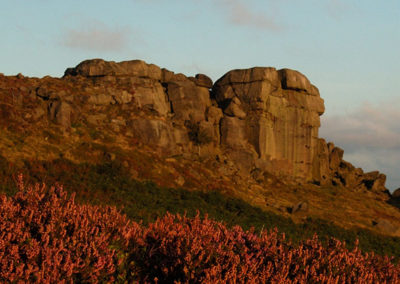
{"x": 262, "y": 119}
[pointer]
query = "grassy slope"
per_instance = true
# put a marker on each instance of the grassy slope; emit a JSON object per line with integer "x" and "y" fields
{"x": 109, "y": 183}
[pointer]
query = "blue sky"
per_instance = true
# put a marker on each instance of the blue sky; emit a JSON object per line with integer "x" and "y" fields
{"x": 350, "y": 49}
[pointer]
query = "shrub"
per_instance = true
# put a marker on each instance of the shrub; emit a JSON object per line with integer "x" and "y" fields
{"x": 109, "y": 183}
{"x": 45, "y": 237}
{"x": 195, "y": 250}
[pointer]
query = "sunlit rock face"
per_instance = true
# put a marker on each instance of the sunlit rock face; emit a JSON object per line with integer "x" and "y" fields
{"x": 251, "y": 121}
{"x": 276, "y": 114}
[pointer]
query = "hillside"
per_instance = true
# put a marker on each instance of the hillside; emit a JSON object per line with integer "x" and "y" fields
{"x": 47, "y": 237}
{"x": 252, "y": 135}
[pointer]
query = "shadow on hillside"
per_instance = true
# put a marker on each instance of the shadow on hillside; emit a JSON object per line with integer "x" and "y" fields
{"x": 394, "y": 202}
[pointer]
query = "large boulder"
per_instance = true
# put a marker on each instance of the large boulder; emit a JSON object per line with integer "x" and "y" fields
{"x": 60, "y": 112}
{"x": 280, "y": 112}
{"x": 188, "y": 100}
{"x": 101, "y": 68}
{"x": 202, "y": 80}
{"x": 150, "y": 95}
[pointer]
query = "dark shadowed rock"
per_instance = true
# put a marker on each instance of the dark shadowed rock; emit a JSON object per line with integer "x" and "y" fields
{"x": 396, "y": 194}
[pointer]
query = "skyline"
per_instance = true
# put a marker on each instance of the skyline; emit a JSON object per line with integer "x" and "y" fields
{"x": 348, "y": 49}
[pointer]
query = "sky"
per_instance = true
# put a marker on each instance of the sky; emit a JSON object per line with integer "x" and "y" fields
{"x": 349, "y": 49}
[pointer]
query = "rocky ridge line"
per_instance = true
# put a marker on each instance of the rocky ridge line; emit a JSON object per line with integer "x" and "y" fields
{"x": 262, "y": 119}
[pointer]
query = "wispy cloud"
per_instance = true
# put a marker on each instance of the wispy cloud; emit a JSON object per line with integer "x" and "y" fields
{"x": 370, "y": 137}
{"x": 96, "y": 36}
{"x": 240, "y": 13}
{"x": 336, "y": 8}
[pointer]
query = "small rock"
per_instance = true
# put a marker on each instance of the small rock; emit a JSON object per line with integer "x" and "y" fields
{"x": 180, "y": 180}
{"x": 301, "y": 206}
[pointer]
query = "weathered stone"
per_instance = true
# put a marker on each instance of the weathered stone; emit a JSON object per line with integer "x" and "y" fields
{"x": 151, "y": 97}
{"x": 234, "y": 110}
{"x": 203, "y": 81}
{"x": 166, "y": 75}
{"x": 374, "y": 181}
{"x": 281, "y": 118}
{"x": 60, "y": 112}
{"x": 189, "y": 102}
{"x": 260, "y": 118}
{"x": 155, "y": 133}
{"x": 214, "y": 114}
{"x": 335, "y": 157}
{"x": 250, "y": 75}
{"x": 100, "y": 68}
{"x": 243, "y": 161}
{"x": 322, "y": 173}
{"x": 100, "y": 99}
{"x": 233, "y": 132}
{"x": 294, "y": 80}
{"x": 120, "y": 96}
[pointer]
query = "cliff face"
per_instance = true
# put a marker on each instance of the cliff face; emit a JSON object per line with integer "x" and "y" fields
{"x": 276, "y": 114}
{"x": 262, "y": 119}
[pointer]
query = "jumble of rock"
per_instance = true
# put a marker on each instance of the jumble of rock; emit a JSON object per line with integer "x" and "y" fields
{"x": 261, "y": 119}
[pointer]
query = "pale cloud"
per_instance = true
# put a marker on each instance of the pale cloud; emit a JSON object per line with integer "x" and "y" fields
{"x": 240, "y": 13}
{"x": 370, "y": 137}
{"x": 96, "y": 36}
{"x": 337, "y": 8}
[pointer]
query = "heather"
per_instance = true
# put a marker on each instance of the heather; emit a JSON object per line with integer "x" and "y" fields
{"x": 46, "y": 237}
{"x": 108, "y": 183}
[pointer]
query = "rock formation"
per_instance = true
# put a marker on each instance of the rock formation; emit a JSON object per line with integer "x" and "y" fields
{"x": 262, "y": 119}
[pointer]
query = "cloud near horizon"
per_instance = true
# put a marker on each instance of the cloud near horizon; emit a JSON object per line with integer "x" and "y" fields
{"x": 96, "y": 36}
{"x": 370, "y": 138}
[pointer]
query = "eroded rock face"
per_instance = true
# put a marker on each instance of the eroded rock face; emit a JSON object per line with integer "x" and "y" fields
{"x": 330, "y": 168}
{"x": 276, "y": 112}
{"x": 261, "y": 119}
